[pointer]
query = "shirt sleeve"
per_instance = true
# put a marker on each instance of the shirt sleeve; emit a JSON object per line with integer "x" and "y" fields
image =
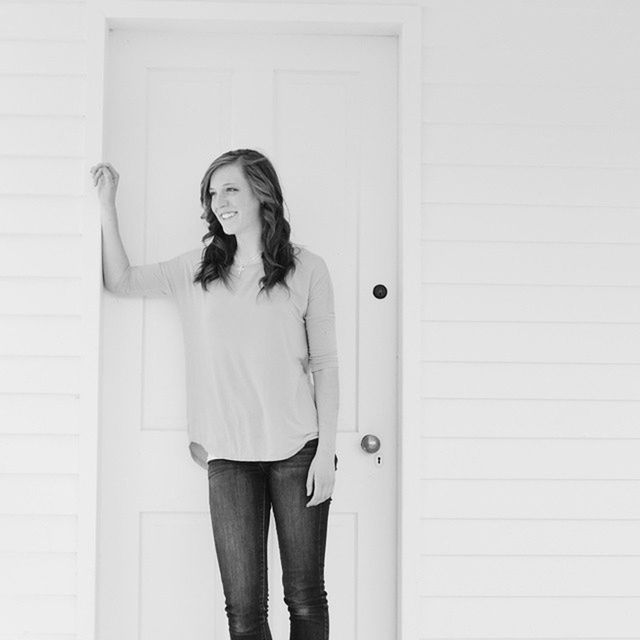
{"x": 320, "y": 320}
{"x": 150, "y": 280}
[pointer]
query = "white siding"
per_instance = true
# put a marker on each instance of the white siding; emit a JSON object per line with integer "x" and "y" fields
{"x": 530, "y": 386}
{"x": 531, "y": 312}
{"x": 42, "y": 83}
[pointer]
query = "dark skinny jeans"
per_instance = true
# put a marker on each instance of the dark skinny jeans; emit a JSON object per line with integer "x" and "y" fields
{"x": 241, "y": 494}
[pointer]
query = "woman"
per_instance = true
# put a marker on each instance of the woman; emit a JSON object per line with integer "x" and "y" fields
{"x": 258, "y": 317}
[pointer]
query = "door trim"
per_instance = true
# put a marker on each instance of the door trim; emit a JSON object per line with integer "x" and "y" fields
{"x": 404, "y": 22}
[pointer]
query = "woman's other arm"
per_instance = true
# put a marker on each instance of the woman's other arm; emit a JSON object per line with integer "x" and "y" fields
{"x": 323, "y": 355}
{"x": 323, "y": 364}
{"x": 326, "y": 389}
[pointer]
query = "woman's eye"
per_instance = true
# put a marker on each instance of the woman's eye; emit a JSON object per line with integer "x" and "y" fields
{"x": 213, "y": 193}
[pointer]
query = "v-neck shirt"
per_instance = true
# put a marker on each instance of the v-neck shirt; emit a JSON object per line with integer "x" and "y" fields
{"x": 248, "y": 359}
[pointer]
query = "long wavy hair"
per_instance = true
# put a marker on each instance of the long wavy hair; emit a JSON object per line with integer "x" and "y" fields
{"x": 278, "y": 253}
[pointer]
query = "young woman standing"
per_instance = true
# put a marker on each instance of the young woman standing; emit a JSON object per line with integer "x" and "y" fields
{"x": 258, "y": 318}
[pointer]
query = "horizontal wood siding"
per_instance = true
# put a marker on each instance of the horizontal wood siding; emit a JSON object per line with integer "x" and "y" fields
{"x": 42, "y": 84}
{"x": 530, "y": 477}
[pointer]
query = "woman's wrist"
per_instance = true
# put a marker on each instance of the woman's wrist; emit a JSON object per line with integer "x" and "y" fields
{"x": 108, "y": 210}
{"x": 326, "y": 447}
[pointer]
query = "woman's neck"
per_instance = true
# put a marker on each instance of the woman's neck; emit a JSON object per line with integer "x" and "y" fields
{"x": 247, "y": 247}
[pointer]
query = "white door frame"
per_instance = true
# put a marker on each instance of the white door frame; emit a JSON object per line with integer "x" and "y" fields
{"x": 402, "y": 21}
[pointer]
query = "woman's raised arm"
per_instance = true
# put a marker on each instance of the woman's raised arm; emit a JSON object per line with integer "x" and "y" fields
{"x": 119, "y": 276}
{"x": 114, "y": 257}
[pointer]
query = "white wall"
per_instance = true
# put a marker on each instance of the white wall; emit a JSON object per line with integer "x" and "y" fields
{"x": 531, "y": 305}
{"x": 530, "y": 315}
{"x": 42, "y": 83}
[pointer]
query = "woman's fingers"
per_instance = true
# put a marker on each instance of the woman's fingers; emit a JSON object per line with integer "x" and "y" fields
{"x": 113, "y": 171}
{"x": 103, "y": 170}
{"x": 104, "y": 167}
{"x": 96, "y": 173}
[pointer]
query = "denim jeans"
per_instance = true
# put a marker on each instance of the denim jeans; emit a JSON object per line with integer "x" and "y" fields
{"x": 241, "y": 494}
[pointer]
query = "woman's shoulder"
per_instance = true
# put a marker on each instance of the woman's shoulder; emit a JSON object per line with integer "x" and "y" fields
{"x": 190, "y": 259}
{"x": 309, "y": 259}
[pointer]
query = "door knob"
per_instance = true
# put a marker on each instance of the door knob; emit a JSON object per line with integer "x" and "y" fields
{"x": 370, "y": 443}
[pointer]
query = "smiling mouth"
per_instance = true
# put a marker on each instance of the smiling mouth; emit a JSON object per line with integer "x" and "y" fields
{"x": 226, "y": 216}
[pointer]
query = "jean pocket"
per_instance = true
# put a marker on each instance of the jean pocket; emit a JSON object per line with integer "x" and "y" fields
{"x": 216, "y": 465}
{"x": 309, "y": 449}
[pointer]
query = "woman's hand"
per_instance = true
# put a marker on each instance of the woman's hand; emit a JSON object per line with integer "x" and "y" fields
{"x": 106, "y": 178}
{"x": 321, "y": 477}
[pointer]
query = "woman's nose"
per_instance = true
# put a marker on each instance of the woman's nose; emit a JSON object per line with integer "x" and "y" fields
{"x": 219, "y": 202}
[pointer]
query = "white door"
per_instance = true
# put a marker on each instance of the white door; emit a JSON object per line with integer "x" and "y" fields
{"x": 323, "y": 109}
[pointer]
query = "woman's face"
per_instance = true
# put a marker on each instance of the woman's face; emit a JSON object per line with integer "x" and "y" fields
{"x": 231, "y": 192}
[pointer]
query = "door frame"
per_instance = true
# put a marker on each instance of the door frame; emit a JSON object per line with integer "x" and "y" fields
{"x": 404, "y": 22}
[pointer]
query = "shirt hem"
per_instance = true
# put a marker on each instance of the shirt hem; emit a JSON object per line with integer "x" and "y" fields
{"x": 200, "y": 455}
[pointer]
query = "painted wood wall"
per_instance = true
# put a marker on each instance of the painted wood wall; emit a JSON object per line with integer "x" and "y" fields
{"x": 530, "y": 385}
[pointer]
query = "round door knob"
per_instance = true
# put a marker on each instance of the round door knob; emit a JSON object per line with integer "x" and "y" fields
{"x": 370, "y": 443}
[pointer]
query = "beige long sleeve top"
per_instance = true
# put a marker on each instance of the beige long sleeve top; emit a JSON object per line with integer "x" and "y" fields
{"x": 248, "y": 359}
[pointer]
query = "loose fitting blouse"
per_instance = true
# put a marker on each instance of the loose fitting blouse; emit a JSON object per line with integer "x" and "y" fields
{"x": 248, "y": 358}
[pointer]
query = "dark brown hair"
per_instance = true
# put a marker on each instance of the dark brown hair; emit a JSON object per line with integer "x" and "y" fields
{"x": 278, "y": 254}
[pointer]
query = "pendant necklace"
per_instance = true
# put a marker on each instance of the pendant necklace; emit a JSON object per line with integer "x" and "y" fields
{"x": 242, "y": 266}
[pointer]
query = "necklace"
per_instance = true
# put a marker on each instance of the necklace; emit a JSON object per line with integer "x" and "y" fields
{"x": 241, "y": 267}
